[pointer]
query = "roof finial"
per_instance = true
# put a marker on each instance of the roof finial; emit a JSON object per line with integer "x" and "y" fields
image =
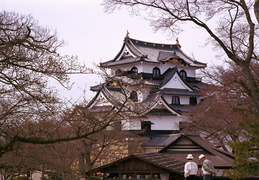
{"x": 177, "y": 41}
{"x": 127, "y": 34}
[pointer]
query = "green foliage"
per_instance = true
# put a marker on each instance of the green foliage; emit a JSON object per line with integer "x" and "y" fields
{"x": 246, "y": 153}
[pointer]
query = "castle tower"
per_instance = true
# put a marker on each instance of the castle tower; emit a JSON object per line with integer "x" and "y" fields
{"x": 159, "y": 85}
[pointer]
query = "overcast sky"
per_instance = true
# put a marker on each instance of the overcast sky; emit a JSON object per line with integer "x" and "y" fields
{"x": 95, "y": 36}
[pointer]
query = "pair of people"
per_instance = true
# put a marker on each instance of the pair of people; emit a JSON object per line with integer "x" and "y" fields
{"x": 191, "y": 168}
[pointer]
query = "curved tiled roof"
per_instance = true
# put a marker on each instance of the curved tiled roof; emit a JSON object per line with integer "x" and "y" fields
{"x": 153, "y": 104}
{"x": 169, "y": 144}
{"x": 152, "y": 53}
{"x": 159, "y": 160}
{"x": 171, "y": 162}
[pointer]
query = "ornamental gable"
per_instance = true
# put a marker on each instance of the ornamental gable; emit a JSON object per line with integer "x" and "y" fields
{"x": 176, "y": 82}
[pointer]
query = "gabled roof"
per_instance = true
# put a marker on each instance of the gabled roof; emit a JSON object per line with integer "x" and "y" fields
{"x": 154, "y": 104}
{"x": 169, "y": 76}
{"x": 173, "y": 161}
{"x": 158, "y": 163}
{"x": 190, "y": 143}
{"x": 134, "y": 50}
{"x": 188, "y": 89}
{"x": 105, "y": 92}
{"x": 179, "y": 92}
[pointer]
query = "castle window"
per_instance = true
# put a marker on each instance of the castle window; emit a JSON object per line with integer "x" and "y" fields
{"x": 134, "y": 96}
{"x": 146, "y": 125}
{"x": 193, "y": 101}
{"x": 183, "y": 74}
{"x": 175, "y": 100}
{"x": 156, "y": 72}
{"x": 134, "y": 70}
{"x": 118, "y": 72}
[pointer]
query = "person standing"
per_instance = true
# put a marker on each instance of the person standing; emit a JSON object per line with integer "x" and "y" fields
{"x": 207, "y": 168}
{"x": 190, "y": 168}
{"x": 1, "y": 177}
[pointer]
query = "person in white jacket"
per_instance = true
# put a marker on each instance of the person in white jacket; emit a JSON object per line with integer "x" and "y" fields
{"x": 190, "y": 168}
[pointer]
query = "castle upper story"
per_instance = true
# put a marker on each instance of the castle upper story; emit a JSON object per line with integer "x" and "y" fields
{"x": 151, "y": 60}
{"x": 153, "y": 82}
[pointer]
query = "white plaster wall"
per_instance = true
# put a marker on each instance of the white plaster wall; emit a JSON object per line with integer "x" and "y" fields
{"x": 131, "y": 124}
{"x": 139, "y": 66}
{"x": 128, "y": 67}
{"x": 164, "y": 122}
{"x": 199, "y": 100}
{"x": 176, "y": 83}
{"x": 159, "y": 123}
{"x": 168, "y": 98}
{"x": 123, "y": 68}
{"x": 184, "y": 100}
{"x": 148, "y": 68}
{"x": 191, "y": 72}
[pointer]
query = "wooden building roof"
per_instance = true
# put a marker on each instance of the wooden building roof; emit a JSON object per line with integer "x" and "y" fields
{"x": 171, "y": 158}
{"x": 182, "y": 144}
{"x": 143, "y": 163}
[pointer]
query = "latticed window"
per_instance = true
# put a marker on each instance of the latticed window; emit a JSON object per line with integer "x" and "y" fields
{"x": 146, "y": 125}
{"x": 193, "y": 100}
{"x": 175, "y": 100}
{"x": 183, "y": 74}
{"x": 134, "y": 70}
{"x": 156, "y": 72}
{"x": 134, "y": 96}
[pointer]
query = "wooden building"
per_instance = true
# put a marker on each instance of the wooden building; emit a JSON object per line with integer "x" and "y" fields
{"x": 168, "y": 162}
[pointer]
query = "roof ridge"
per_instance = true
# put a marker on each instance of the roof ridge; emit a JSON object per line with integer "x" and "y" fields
{"x": 149, "y": 42}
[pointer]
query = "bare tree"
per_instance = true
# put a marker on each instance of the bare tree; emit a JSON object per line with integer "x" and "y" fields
{"x": 33, "y": 118}
{"x": 232, "y": 27}
{"x": 28, "y": 57}
{"x": 256, "y": 9}
{"x": 219, "y": 116}
{"x": 66, "y": 159}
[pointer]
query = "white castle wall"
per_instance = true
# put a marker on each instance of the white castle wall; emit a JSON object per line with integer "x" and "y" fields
{"x": 158, "y": 123}
{"x": 148, "y": 68}
{"x": 164, "y": 122}
{"x": 184, "y": 100}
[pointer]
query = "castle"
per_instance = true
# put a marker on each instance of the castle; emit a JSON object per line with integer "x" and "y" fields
{"x": 159, "y": 85}
{"x": 153, "y": 86}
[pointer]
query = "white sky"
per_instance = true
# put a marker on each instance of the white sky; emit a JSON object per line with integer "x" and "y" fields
{"x": 95, "y": 36}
